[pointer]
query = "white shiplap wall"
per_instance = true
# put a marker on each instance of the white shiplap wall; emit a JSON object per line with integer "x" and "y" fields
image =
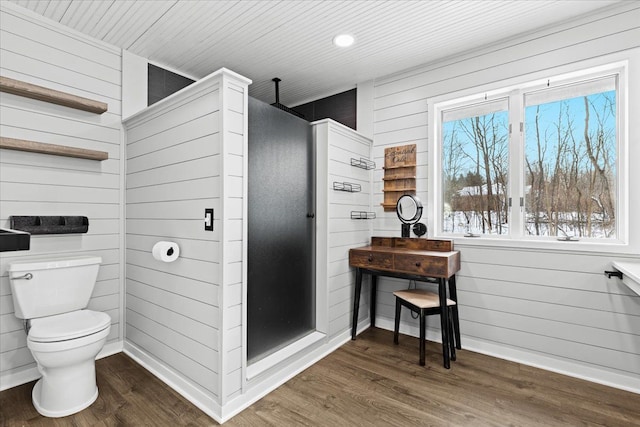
{"x": 38, "y": 51}
{"x": 232, "y": 222}
{"x": 335, "y": 233}
{"x": 337, "y": 145}
{"x": 552, "y": 308}
{"x": 185, "y": 154}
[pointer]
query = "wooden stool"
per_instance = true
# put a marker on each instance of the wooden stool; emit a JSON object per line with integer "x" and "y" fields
{"x": 426, "y": 303}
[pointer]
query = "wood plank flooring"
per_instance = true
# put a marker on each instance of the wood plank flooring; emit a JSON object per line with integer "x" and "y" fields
{"x": 367, "y": 382}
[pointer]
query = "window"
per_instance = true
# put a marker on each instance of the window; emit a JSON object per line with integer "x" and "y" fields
{"x": 570, "y": 145}
{"x": 539, "y": 160}
{"x": 475, "y": 163}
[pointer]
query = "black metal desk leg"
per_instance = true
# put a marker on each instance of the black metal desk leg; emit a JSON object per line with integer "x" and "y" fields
{"x": 356, "y": 303}
{"x": 396, "y": 327}
{"x": 444, "y": 321}
{"x": 374, "y": 292}
{"x": 453, "y": 294}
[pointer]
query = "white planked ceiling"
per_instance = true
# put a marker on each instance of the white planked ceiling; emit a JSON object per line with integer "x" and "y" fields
{"x": 292, "y": 39}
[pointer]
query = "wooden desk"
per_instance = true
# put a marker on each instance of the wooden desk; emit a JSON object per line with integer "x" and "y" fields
{"x": 422, "y": 260}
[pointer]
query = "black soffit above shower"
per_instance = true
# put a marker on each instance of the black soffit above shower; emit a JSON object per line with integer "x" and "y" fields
{"x": 282, "y": 107}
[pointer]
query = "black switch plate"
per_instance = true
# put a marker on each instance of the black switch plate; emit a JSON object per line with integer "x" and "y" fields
{"x": 208, "y": 219}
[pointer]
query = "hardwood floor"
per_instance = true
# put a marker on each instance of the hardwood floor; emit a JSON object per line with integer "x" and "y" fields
{"x": 367, "y": 382}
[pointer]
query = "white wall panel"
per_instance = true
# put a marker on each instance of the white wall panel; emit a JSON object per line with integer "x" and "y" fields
{"x": 53, "y": 35}
{"x": 201, "y": 376}
{"x": 109, "y": 90}
{"x": 39, "y": 52}
{"x": 185, "y": 228}
{"x": 109, "y": 166}
{"x": 173, "y": 209}
{"x": 340, "y": 144}
{"x": 197, "y": 168}
{"x": 205, "y": 146}
{"x": 234, "y": 137}
{"x": 185, "y": 314}
{"x": 162, "y": 142}
{"x": 551, "y": 303}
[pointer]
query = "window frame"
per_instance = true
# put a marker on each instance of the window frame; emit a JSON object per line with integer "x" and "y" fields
{"x": 515, "y": 90}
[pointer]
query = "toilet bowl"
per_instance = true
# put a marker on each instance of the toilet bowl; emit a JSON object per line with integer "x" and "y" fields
{"x": 63, "y": 336}
{"x": 65, "y": 347}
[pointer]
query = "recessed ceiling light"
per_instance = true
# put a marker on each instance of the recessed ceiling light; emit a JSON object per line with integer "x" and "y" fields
{"x": 343, "y": 40}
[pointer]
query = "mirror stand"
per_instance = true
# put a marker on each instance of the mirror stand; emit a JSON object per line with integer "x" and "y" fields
{"x": 405, "y": 230}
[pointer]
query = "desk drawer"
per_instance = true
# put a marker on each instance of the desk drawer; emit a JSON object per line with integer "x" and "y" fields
{"x": 366, "y": 259}
{"x": 420, "y": 265}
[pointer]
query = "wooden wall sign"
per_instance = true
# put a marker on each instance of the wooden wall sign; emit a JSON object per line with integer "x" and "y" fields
{"x": 399, "y": 174}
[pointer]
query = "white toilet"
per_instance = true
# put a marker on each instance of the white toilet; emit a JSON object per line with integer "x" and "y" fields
{"x": 63, "y": 337}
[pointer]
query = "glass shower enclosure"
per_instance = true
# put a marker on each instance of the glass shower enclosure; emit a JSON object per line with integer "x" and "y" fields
{"x": 281, "y": 230}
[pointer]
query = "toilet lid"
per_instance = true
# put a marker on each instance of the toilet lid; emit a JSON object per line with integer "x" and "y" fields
{"x": 68, "y": 326}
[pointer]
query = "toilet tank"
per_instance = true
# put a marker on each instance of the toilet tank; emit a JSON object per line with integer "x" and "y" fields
{"x": 45, "y": 287}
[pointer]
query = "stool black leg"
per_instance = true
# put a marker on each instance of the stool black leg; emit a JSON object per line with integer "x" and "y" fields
{"x": 452, "y": 347}
{"x": 396, "y": 329}
{"x": 422, "y": 336}
{"x": 453, "y": 293}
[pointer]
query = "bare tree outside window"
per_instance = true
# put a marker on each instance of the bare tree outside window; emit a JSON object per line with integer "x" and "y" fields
{"x": 475, "y": 153}
{"x": 540, "y": 160}
{"x": 566, "y": 137}
{"x": 570, "y": 162}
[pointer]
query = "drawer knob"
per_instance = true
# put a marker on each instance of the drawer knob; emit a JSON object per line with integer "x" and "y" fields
{"x": 418, "y": 264}
{"x": 370, "y": 258}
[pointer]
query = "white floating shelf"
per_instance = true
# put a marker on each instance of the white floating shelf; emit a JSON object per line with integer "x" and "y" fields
{"x": 630, "y": 274}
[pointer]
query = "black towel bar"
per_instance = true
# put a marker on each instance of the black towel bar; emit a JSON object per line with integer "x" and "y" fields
{"x": 611, "y": 274}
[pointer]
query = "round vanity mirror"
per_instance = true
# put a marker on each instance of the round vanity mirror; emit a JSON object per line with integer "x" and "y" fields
{"x": 409, "y": 209}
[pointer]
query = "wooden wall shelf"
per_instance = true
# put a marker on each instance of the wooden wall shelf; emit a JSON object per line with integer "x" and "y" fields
{"x": 399, "y": 174}
{"x": 54, "y": 149}
{"x": 41, "y": 93}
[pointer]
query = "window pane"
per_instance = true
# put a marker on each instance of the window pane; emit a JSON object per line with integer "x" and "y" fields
{"x": 570, "y": 161}
{"x": 475, "y": 167}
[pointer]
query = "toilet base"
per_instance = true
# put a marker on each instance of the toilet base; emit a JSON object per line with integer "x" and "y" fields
{"x": 37, "y": 392}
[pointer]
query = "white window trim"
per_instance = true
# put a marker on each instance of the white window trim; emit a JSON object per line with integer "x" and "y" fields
{"x": 522, "y": 84}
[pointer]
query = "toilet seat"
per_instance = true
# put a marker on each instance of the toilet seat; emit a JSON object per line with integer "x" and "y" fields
{"x": 68, "y": 326}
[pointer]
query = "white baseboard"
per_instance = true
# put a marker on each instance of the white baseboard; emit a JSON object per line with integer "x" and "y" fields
{"x": 174, "y": 380}
{"x": 560, "y": 366}
{"x": 262, "y": 385}
{"x": 529, "y": 358}
{"x": 14, "y": 379}
{"x": 110, "y": 349}
{"x": 266, "y": 384}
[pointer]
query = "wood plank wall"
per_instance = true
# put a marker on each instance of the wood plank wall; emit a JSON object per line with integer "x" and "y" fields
{"x": 344, "y": 232}
{"x": 550, "y": 308}
{"x": 232, "y": 222}
{"x": 184, "y": 318}
{"x": 47, "y": 54}
{"x": 173, "y": 174}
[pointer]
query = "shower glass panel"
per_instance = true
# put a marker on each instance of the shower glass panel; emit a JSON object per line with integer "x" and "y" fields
{"x": 281, "y": 230}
